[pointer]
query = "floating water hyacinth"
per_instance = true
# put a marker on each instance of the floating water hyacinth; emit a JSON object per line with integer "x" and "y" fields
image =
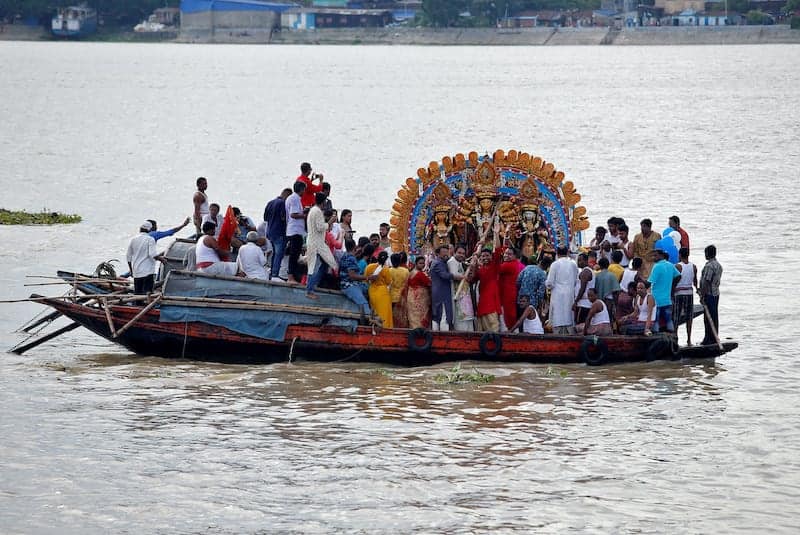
{"x": 45, "y": 217}
{"x": 456, "y": 376}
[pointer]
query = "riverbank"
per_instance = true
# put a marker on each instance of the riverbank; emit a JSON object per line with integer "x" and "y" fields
{"x": 733, "y": 35}
{"x": 647, "y": 36}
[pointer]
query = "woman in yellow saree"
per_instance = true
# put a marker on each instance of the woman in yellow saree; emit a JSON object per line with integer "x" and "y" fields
{"x": 380, "y": 278}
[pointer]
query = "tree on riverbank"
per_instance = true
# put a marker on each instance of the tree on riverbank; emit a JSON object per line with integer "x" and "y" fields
{"x": 112, "y": 12}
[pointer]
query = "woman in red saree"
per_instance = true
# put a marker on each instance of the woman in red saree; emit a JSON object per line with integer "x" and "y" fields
{"x": 418, "y": 297}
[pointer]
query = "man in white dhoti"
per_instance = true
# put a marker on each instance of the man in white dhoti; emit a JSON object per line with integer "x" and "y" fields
{"x": 561, "y": 283}
{"x": 318, "y": 254}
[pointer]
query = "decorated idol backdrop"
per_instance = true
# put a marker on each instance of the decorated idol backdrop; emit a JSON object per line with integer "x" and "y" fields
{"x": 459, "y": 199}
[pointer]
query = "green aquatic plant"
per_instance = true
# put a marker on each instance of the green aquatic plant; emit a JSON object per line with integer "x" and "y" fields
{"x": 457, "y": 376}
{"x": 553, "y": 372}
{"x": 45, "y": 217}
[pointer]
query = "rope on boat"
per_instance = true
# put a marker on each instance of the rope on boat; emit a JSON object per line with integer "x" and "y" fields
{"x": 291, "y": 349}
{"x": 185, "y": 336}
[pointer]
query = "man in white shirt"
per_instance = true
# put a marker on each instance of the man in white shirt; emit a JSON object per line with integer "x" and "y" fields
{"x": 251, "y": 259}
{"x": 561, "y": 282}
{"x": 142, "y": 258}
{"x": 295, "y": 231}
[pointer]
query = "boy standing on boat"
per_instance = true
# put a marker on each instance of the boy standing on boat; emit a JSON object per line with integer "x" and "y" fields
{"x": 200, "y": 201}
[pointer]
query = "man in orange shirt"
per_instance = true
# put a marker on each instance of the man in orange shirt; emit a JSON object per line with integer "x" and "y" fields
{"x": 307, "y": 199}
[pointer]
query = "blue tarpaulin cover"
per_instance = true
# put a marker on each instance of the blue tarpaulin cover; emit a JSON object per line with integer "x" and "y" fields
{"x": 270, "y": 325}
{"x": 259, "y": 323}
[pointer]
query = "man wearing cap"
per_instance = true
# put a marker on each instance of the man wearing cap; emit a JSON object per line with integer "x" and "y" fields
{"x": 142, "y": 258}
{"x": 251, "y": 259}
{"x": 663, "y": 278}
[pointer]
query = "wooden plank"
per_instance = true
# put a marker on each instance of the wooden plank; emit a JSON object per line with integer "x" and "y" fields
{"x": 206, "y": 302}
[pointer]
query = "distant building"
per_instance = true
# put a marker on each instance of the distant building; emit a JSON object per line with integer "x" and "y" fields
{"x": 675, "y": 7}
{"x": 523, "y": 19}
{"x": 230, "y": 20}
{"x": 313, "y": 18}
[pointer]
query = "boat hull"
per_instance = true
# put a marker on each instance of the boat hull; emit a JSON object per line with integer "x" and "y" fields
{"x": 200, "y": 341}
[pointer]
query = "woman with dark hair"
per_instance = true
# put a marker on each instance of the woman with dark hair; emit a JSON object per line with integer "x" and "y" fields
{"x": 400, "y": 274}
{"x": 380, "y": 278}
{"x": 418, "y": 296}
{"x": 364, "y": 256}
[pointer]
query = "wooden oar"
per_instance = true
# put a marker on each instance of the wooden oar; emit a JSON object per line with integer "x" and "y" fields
{"x": 23, "y": 348}
{"x": 33, "y": 323}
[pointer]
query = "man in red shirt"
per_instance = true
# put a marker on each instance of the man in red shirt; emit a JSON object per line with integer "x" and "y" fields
{"x": 307, "y": 199}
{"x": 487, "y": 275}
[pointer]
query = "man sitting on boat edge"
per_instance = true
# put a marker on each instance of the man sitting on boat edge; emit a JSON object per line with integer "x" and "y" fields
{"x": 209, "y": 254}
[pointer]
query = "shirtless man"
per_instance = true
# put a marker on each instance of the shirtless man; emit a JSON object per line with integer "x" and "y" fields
{"x": 200, "y": 201}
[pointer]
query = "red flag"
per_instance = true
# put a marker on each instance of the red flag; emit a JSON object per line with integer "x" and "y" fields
{"x": 227, "y": 230}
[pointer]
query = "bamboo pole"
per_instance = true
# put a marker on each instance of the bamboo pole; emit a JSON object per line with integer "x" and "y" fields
{"x": 39, "y": 298}
{"x": 141, "y": 313}
{"x": 108, "y": 318}
{"x": 80, "y": 281}
{"x": 485, "y": 231}
{"x": 711, "y": 325}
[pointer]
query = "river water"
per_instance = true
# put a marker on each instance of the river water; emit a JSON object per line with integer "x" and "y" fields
{"x": 97, "y": 440}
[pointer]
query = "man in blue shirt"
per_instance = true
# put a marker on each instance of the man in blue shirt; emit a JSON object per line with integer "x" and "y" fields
{"x": 275, "y": 217}
{"x": 663, "y": 278}
{"x": 158, "y": 234}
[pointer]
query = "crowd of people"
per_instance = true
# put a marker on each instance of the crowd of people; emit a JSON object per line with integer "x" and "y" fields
{"x": 613, "y": 285}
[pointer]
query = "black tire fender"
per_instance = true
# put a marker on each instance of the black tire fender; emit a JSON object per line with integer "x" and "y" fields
{"x": 658, "y": 349}
{"x": 414, "y": 337}
{"x": 593, "y": 351}
{"x": 489, "y": 339}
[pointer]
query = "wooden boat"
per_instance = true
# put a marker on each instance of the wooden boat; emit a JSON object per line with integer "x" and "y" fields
{"x": 235, "y": 320}
{"x": 210, "y": 330}
{"x": 74, "y": 22}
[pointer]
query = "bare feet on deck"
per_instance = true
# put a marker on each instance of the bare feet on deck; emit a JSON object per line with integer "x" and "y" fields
{"x": 312, "y": 296}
